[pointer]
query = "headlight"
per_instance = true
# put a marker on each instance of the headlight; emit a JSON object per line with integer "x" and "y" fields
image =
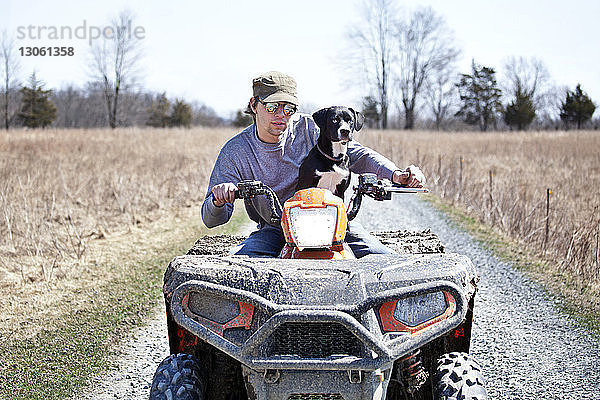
{"x": 313, "y": 227}
{"x": 314, "y": 218}
{"x": 414, "y": 313}
{"x": 213, "y": 308}
{"x": 218, "y": 313}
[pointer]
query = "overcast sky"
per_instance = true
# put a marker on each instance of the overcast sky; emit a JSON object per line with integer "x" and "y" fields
{"x": 209, "y": 50}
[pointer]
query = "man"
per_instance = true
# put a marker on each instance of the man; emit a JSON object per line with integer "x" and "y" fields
{"x": 271, "y": 150}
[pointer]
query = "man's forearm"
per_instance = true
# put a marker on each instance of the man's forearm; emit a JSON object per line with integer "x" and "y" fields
{"x": 214, "y": 216}
{"x": 364, "y": 159}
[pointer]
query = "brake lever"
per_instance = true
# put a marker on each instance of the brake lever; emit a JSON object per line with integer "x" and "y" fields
{"x": 405, "y": 189}
{"x": 377, "y": 189}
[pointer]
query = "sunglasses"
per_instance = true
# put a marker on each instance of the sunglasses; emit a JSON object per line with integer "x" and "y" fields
{"x": 272, "y": 107}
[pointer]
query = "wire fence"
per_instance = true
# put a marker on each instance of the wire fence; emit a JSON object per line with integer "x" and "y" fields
{"x": 542, "y": 189}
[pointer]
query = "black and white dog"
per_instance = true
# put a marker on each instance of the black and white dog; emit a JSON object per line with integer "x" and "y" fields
{"x": 326, "y": 165}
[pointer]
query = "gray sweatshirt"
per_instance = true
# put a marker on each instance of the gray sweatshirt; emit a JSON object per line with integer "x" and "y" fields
{"x": 245, "y": 156}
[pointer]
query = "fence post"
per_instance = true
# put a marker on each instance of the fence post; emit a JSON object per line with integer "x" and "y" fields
{"x": 491, "y": 189}
{"x": 460, "y": 176}
{"x": 597, "y": 248}
{"x": 548, "y": 193}
{"x": 439, "y": 171}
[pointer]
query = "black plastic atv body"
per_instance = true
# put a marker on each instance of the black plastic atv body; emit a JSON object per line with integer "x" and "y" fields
{"x": 312, "y": 329}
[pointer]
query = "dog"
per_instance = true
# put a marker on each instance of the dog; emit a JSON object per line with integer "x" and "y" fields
{"x": 327, "y": 164}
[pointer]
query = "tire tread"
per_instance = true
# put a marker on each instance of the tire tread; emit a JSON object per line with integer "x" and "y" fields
{"x": 178, "y": 377}
{"x": 459, "y": 377}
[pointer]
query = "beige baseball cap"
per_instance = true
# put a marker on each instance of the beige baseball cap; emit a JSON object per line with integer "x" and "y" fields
{"x": 275, "y": 86}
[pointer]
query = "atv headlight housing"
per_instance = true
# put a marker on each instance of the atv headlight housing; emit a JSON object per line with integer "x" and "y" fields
{"x": 415, "y": 310}
{"x": 217, "y": 313}
{"x": 213, "y": 308}
{"x": 313, "y": 227}
{"x": 414, "y": 313}
{"x": 314, "y": 218}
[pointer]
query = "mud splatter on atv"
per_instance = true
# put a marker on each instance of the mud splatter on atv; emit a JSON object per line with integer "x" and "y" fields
{"x": 256, "y": 328}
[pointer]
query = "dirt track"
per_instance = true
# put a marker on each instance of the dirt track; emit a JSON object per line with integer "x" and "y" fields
{"x": 528, "y": 348}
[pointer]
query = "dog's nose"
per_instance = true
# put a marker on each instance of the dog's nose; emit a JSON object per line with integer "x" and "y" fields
{"x": 345, "y": 132}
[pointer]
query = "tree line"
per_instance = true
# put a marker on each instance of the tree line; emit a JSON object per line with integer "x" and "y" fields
{"x": 406, "y": 62}
{"x": 34, "y": 106}
{"x": 111, "y": 98}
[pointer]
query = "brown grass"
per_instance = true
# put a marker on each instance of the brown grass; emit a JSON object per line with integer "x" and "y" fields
{"x": 504, "y": 183}
{"x": 61, "y": 188}
{"x": 88, "y": 222}
{"x": 75, "y": 203}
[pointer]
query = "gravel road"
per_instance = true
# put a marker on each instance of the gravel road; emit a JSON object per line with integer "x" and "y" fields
{"x": 527, "y": 347}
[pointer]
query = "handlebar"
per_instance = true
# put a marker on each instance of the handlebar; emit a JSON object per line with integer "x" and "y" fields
{"x": 368, "y": 185}
{"x": 247, "y": 190}
{"x": 377, "y": 189}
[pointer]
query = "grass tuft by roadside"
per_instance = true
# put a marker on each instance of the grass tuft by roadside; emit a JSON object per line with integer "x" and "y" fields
{"x": 578, "y": 299}
{"x": 78, "y": 335}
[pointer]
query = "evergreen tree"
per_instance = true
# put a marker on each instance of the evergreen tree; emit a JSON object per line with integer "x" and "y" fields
{"x": 242, "y": 119}
{"x": 159, "y": 112}
{"x": 37, "y": 110}
{"x": 577, "y": 107}
{"x": 181, "y": 115}
{"x": 480, "y": 95}
{"x": 371, "y": 112}
{"x": 521, "y": 112}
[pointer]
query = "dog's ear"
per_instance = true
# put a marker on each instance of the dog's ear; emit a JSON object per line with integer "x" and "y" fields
{"x": 359, "y": 119}
{"x": 320, "y": 117}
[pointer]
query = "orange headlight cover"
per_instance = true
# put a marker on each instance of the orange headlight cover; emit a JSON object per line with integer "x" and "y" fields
{"x": 315, "y": 198}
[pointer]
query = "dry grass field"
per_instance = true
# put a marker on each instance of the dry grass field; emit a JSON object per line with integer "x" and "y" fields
{"x": 61, "y": 191}
{"x": 74, "y": 201}
{"x": 540, "y": 188}
{"x": 88, "y": 222}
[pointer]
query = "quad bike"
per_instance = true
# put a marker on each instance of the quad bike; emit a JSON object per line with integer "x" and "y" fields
{"x": 317, "y": 323}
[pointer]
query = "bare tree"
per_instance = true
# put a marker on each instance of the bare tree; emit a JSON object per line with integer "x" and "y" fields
{"x": 9, "y": 68}
{"x": 372, "y": 50}
{"x": 442, "y": 94}
{"x": 528, "y": 77}
{"x": 115, "y": 61}
{"x": 206, "y": 116}
{"x": 424, "y": 45}
{"x": 549, "y": 115}
{"x": 68, "y": 101}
